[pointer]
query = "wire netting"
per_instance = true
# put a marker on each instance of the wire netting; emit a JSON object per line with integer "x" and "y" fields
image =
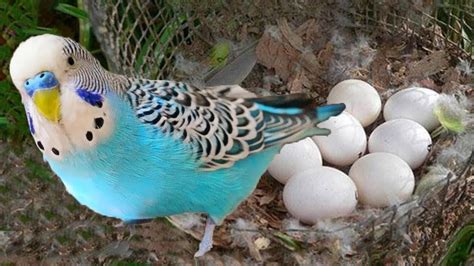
{"x": 140, "y": 37}
{"x": 143, "y": 37}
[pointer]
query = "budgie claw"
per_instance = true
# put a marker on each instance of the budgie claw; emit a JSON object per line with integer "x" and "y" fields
{"x": 206, "y": 242}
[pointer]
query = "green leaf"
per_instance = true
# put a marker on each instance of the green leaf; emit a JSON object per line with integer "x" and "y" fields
{"x": 461, "y": 247}
{"x": 5, "y": 52}
{"x": 143, "y": 51}
{"x": 4, "y": 86}
{"x": 219, "y": 54}
{"x": 4, "y": 19}
{"x": 38, "y": 30}
{"x": 85, "y": 28}
{"x": 38, "y": 171}
{"x": 16, "y": 13}
{"x": 466, "y": 41}
{"x": 236, "y": 70}
{"x": 72, "y": 10}
{"x": 287, "y": 241}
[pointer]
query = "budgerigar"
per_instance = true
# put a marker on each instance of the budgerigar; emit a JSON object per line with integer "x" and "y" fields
{"x": 136, "y": 149}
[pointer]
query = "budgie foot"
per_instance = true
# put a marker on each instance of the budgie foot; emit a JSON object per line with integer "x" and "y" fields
{"x": 206, "y": 242}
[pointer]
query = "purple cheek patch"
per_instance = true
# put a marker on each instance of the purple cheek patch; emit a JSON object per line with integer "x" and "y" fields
{"x": 91, "y": 98}
{"x": 30, "y": 123}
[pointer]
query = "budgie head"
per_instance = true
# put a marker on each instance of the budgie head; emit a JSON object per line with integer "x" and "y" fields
{"x": 62, "y": 88}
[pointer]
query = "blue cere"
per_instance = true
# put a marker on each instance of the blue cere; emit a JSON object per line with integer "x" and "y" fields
{"x": 44, "y": 80}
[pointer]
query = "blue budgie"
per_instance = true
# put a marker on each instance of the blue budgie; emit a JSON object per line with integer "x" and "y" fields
{"x": 136, "y": 149}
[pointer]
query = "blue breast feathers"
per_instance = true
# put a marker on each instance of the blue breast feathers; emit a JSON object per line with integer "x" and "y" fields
{"x": 140, "y": 173}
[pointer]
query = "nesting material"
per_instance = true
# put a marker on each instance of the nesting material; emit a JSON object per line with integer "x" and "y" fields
{"x": 436, "y": 175}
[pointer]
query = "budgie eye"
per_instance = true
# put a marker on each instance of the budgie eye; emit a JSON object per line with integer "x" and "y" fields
{"x": 70, "y": 61}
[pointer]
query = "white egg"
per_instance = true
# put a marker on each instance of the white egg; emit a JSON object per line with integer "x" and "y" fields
{"x": 346, "y": 143}
{"x": 382, "y": 179}
{"x": 404, "y": 138}
{"x": 360, "y": 98}
{"x": 415, "y": 104}
{"x": 293, "y": 158}
{"x": 319, "y": 193}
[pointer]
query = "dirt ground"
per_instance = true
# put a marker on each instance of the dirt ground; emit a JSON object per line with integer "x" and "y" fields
{"x": 41, "y": 223}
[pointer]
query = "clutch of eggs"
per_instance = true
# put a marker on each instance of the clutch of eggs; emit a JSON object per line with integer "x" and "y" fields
{"x": 382, "y": 178}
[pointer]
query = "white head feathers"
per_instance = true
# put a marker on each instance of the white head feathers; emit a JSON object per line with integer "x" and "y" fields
{"x": 38, "y": 54}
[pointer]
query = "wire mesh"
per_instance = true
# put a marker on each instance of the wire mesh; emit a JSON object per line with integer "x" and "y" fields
{"x": 140, "y": 38}
{"x": 435, "y": 21}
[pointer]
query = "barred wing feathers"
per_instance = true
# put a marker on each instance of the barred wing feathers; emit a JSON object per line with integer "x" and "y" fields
{"x": 222, "y": 129}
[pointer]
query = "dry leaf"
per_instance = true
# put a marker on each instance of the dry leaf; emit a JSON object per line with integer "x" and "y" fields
{"x": 297, "y": 81}
{"x": 273, "y": 53}
{"x": 262, "y": 243}
{"x": 267, "y": 197}
{"x": 379, "y": 70}
{"x": 290, "y": 36}
{"x": 429, "y": 65}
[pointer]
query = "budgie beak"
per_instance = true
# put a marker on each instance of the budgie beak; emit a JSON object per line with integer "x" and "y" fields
{"x": 44, "y": 89}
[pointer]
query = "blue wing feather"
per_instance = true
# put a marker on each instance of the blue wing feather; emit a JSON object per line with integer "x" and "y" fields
{"x": 324, "y": 112}
{"x": 223, "y": 130}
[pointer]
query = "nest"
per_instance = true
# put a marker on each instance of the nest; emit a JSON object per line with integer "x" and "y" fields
{"x": 307, "y": 47}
